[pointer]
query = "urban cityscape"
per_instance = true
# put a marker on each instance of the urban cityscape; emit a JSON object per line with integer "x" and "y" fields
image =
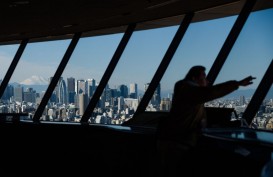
{"x": 116, "y": 105}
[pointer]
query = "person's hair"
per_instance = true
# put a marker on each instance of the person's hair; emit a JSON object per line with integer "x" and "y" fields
{"x": 194, "y": 72}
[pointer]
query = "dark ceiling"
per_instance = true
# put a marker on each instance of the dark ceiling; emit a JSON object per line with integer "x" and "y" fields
{"x": 58, "y": 19}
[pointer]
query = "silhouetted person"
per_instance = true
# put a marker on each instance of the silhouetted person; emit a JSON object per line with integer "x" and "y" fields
{"x": 178, "y": 134}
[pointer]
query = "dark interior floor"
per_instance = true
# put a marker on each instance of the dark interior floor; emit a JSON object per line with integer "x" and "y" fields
{"x": 29, "y": 149}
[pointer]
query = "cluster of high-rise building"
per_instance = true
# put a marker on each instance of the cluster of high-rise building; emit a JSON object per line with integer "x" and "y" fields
{"x": 70, "y": 99}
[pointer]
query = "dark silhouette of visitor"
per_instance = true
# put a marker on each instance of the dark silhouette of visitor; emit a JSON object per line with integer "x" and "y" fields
{"x": 178, "y": 133}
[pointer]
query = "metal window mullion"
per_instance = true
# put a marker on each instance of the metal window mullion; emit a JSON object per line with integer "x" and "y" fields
{"x": 12, "y": 66}
{"x": 164, "y": 63}
{"x": 230, "y": 40}
{"x": 56, "y": 77}
{"x": 108, "y": 72}
{"x": 259, "y": 95}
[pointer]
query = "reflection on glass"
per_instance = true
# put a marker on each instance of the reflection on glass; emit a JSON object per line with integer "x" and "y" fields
{"x": 251, "y": 55}
{"x": 31, "y": 76}
{"x": 80, "y": 78}
{"x": 200, "y": 46}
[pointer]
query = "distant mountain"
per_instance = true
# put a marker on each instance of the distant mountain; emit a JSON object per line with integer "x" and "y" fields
{"x": 38, "y": 83}
{"x": 35, "y": 80}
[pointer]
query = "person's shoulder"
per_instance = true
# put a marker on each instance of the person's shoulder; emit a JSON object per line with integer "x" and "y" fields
{"x": 179, "y": 83}
{"x": 185, "y": 82}
{"x": 182, "y": 81}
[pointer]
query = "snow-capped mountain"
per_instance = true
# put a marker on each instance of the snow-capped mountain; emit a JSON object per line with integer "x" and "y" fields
{"x": 35, "y": 80}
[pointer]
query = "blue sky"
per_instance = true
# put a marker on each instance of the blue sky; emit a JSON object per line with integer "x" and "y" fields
{"x": 250, "y": 55}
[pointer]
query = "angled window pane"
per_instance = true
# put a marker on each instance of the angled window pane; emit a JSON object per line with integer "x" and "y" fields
{"x": 264, "y": 117}
{"x": 200, "y": 46}
{"x": 31, "y": 76}
{"x": 251, "y": 55}
{"x": 7, "y": 53}
{"x": 134, "y": 70}
{"x": 80, "y": 78}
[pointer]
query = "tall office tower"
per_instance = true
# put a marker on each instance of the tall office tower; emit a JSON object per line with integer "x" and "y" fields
{"x": 83, "y": 102}
{"x": 165, "y": 104}
{"x": 121, "y": 103}
{"x": 156, "y": 99}
{"x": 91, "y": 86}
{"x": 70, "y": 84}
{"x": 146, "y": 86}
{"x": 71, "y": 97}
{"x": 114, "y": 93}
{"x": 157, "y": 95}
{"x": 82, "y": 86}
{"x": 30, "y": 95}
{"x": 8, "y": 93}
{"x": 18, "y": 93}
{"x": 123, "y": 91}
{"x": 133, "y": 90}
{"x": 71, "y": 89}
{"x": 59, "y": 94}
{"x": 107, "y": 94}
{"x": 62, "y": 92}
{"x": 242, "y": 100}
{"x": 114, "y": 102}
{"x": 76, "y": 101}
{"x": 53, "y": 97}
{"x": 101, "y": 103}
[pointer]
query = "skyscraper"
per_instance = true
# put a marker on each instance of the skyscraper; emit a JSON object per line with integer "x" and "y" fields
{"x": 82, "y": 86}
{"x": 71, "y": 89}
{"x": 123, "y": 91}
{"x": 91, "y": 86}
{"x": 30, "y": 95}
{"x": 71, "y": 84}
{"x": 133, "y": 90}
{"x": 83, "y": 102}
{"x": 242, "y": 100}
{"x": 156, "y": 99}
{"x": 62, "y": 92}
{"x": 18, "y": 93}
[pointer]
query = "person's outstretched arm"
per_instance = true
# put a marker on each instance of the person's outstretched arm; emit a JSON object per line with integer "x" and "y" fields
{"x": 246, "y": 81}
{"x": 204, "y": 94}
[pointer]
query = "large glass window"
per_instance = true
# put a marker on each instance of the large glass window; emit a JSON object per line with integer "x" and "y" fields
{"x": 7, "y": 53}
{"x": 134, "y": 71}
{"x": 251, "y": 55}
{"x": 200, "y": 46}
{"x": 81, "y": 78}
{"x": 31, "y": 76}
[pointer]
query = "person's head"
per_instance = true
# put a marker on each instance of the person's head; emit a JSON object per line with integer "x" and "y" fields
{"x": 198, "y": 75}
